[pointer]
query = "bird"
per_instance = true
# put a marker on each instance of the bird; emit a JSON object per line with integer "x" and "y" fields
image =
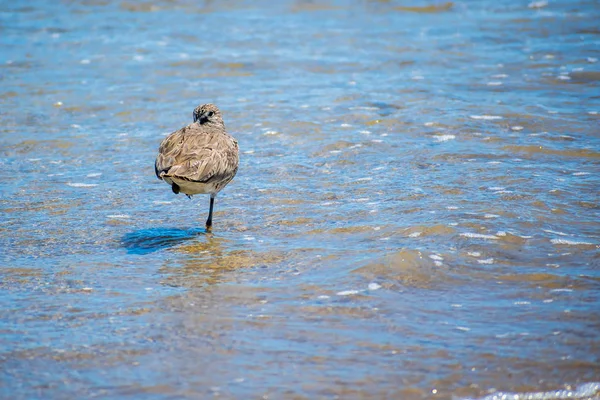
{"x": 200, "y": 158}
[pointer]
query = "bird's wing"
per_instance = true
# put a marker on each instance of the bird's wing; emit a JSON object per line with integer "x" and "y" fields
{"x": 175, "y": 147}
{"x": 195, "y": 158}
{"x": 204, "y": 166}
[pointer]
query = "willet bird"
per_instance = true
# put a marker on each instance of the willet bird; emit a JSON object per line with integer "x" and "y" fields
{"x": 201, "y": 158}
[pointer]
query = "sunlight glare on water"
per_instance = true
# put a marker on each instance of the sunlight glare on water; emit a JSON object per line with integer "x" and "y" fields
{"x": 415, "y": 215}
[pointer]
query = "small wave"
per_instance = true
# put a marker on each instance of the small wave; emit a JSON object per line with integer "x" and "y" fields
{"x": 538, "y": 4}
{"x": 584, "y": 391}
{"x": 444, "y": 138}
{"x": 486, "y": 117}
{"x": 555, "y": 232}
{"x": 81, "y": 185}
{"x": 479, "y": 236}
{"x": 348, "y": 292}
{"x": 570, "y": 242}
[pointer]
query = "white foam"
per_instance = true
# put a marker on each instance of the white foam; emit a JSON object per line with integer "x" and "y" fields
{"x": 538, "y": 4}
{"x": 517, "y": 128}
{"x": 436, "y": 257}
{"x": 415, "y": 234}
{"x": 583, "y": 391}
{"x": 479, "y": 236}
{"x": 374, "y": 286}
{"x": 463, "y": 328}
{"x": 94, "y": 174}
{"x": 81, "y": 185}
{"x": 445, "y": 138}
{"x": 580, "y": 173}
{"x": 570, "y": 242}
{"x": 158, "y": 202}
{"x": 521, "y": 303}
{"x": 486, "y": 117}
{"x": 119, "y": 216}
{"x": 346, "y": 126}
{"x": 347, "y": 292}
{"x": 555, "y": 232}
{"x": 474, "y": 254}
{"x": 491, "y": 216}
{"x": 494, "y": 83}
{"x": 363, "y": 108}
{"x": 486, "y": 261}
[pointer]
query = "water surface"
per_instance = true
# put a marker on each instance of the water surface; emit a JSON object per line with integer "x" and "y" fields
{"x": 415, "y": 215}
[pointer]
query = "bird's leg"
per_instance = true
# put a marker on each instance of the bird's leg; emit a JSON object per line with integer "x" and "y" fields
{"x": 210, "y": 212}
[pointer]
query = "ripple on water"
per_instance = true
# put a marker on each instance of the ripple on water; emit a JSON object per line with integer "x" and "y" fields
{"x": 409, "y": 268}
{"x": 582, "y": 391}
{"x": 415, "y": 214}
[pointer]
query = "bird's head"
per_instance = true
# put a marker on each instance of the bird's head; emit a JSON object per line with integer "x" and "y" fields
{"x": 208, "y": 114}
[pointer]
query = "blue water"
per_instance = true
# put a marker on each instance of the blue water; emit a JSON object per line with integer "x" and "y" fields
{"x": 415, "y": 214}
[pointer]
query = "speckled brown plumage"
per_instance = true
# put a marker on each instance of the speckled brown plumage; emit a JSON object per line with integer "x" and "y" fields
{"x": 199, "y": 158}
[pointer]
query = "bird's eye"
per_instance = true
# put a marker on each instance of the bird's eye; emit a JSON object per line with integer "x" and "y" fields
{"x": 211, "y": 113}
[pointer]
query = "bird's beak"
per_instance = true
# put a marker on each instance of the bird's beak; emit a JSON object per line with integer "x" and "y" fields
{"x": 195, "y": 116}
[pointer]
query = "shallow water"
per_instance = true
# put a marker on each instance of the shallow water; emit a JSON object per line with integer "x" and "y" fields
{"x": 415, "y": 215}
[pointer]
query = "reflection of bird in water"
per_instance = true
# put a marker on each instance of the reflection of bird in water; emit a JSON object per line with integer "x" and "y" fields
{"x": 201, "y": 158}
